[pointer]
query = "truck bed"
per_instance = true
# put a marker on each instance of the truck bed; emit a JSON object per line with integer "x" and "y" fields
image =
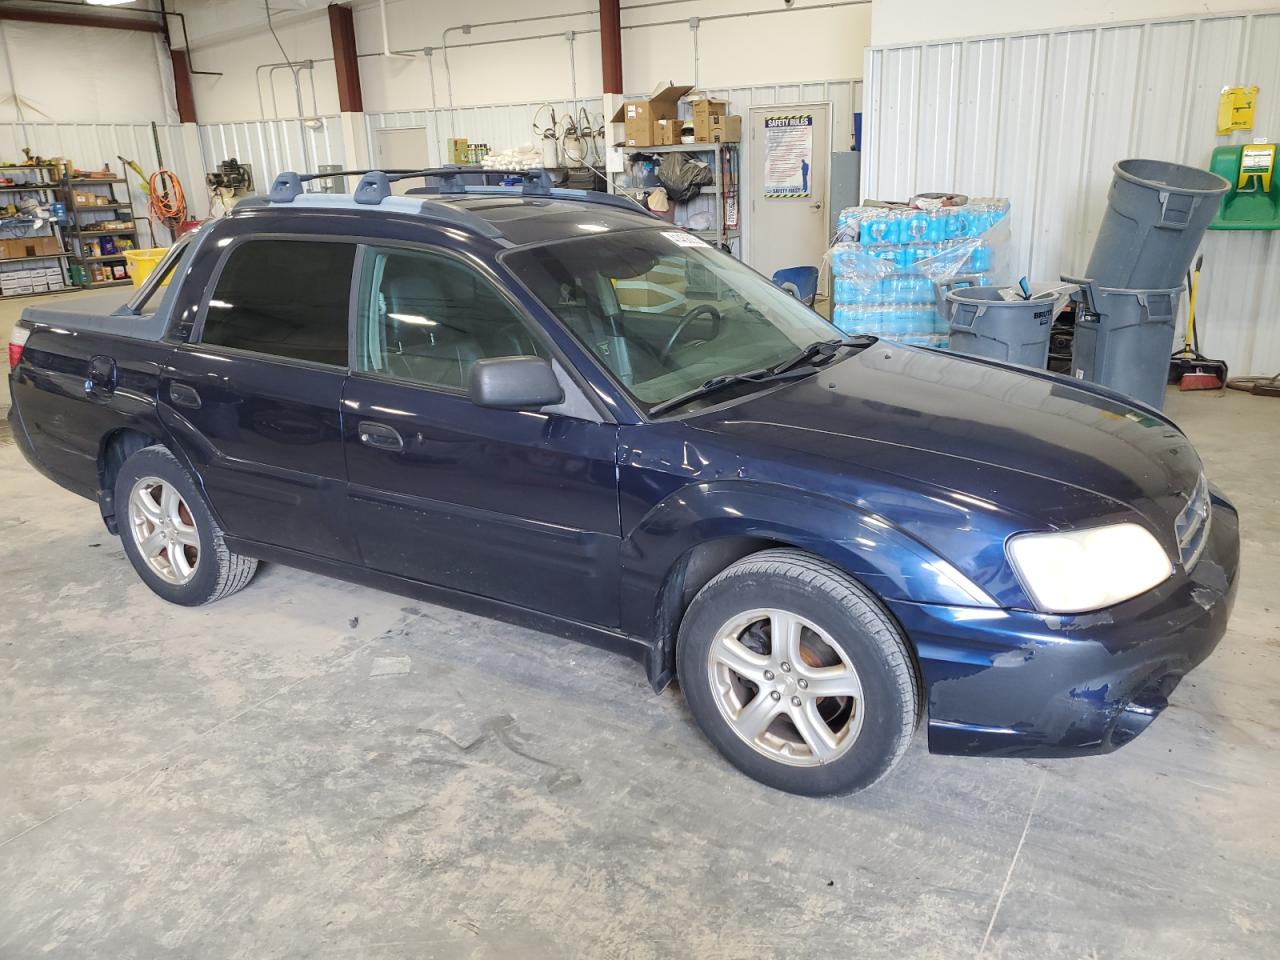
{"x": 100, "y": 313}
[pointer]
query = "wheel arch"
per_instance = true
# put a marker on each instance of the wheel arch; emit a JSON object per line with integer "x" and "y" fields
{"x": 114, "y": 449}
{"x": 693, "y": 535}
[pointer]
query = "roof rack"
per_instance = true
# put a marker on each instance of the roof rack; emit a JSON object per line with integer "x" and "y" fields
{"x": 375, "y": 186}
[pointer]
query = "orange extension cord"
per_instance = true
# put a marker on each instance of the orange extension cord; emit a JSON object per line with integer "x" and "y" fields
{"x": 168, "y": 202}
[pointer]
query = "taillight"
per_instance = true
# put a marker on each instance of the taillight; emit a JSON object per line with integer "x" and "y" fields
{"x": 17, "y": 340}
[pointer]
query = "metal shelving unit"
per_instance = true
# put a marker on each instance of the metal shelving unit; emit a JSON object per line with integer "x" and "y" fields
{"x": 46, "y": 187}
{"x": 82, "y": 231}
{"x": 718, "y": 232}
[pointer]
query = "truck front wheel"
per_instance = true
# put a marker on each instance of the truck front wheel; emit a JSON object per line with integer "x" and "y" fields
{"x": 170, "y": 536}
{"x": 797, "y": 674}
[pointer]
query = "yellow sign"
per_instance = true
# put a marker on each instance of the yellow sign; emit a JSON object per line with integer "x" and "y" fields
{"x": 1235, "y": 109}
{"x": 1257, "y": 160}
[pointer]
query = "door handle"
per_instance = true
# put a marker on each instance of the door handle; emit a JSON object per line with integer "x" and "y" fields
{"x": 816, "y": 206}
{"x": 184, "y": 396}
{"x": 379, "y": 436}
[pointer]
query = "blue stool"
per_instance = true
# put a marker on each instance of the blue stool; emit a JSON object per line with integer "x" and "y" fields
{"x": 800, "y": 282}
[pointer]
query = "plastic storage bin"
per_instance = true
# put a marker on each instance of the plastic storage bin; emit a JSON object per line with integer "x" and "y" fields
{"x": 1156, "y": 215}
{"x": 1123, "y": 339}
{"x": 142, "y": 262}
{"x": 984, "y": 324}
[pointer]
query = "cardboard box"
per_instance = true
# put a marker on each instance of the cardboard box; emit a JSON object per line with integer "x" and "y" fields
{"x": 637, "y": 116}
{"x": 704, "y": 107}
{"x": 718, "y": 129}
{"x": 458, "y": 150}
{"x": 29, "y": 247}
{"x": 667, "y": 132}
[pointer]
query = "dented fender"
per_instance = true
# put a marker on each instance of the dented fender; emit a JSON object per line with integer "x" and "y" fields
{"x": 887, "y": 561}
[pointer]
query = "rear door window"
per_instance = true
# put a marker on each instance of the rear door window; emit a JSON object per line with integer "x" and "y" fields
{"x": 284, "y": 298}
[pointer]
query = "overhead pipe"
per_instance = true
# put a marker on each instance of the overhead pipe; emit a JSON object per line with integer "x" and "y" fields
{"x": 693, "y": 27}
{"x": 386, "y": 38}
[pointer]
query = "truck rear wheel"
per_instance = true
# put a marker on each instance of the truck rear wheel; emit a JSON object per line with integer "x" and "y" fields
{"x": 798, "y": 675}
{"x": 170, "y": 536}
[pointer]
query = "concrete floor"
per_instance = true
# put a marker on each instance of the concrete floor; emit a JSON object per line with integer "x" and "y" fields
{"x": 312, "y": 769}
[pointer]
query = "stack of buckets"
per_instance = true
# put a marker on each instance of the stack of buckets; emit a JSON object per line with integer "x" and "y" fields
{"x": 1127, "y": 303}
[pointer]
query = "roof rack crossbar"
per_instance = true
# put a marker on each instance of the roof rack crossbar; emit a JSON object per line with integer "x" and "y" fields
{"x": 375, "y": 186}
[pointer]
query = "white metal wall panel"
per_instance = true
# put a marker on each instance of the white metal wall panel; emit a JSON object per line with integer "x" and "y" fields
{"x": 271, "y": 147}
{"x": 502, "y": 126}
{"x": 1042, "y": 117}
{"x": 90, "y": 145}
{"x": 845, "y": 97}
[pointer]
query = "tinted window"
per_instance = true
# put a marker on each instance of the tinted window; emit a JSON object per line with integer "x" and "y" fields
{"x": 428, "y": 317}
{"x": 285, "y": 298}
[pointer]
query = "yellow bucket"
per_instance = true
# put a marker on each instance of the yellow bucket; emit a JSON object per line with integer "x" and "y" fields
{"x": 142, "y": 262}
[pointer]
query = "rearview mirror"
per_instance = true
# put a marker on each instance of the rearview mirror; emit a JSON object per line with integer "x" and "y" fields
{"x": 514, "y": 383}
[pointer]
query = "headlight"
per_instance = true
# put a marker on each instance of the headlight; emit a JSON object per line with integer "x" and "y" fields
{"x": 1078, "y": 570}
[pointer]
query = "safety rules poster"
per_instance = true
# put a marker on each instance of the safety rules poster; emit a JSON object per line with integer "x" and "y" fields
{"x": 788, "y": 156}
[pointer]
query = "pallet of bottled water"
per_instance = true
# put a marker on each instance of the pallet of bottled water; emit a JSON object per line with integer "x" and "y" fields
{"x": 887, "y": 259}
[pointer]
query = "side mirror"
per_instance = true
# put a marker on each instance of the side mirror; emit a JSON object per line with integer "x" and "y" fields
{"x": 514, "y": 383}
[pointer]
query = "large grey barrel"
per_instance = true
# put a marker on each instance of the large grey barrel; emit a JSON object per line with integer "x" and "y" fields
{"x": 1156, "y": 215}
{"x": 984, "y": 324}
{"x": 1123, "y": 339}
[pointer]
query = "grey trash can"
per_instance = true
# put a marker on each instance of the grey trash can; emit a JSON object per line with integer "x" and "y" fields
{"x": 1123, "y": 339}
{"x": 1156, "y": 215}
{"x": 984, "y": 324}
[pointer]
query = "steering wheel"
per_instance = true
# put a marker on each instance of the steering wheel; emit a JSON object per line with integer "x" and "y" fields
{"x": 683, "y": 325}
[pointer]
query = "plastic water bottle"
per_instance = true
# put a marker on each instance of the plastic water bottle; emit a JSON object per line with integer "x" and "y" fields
{"x": 915, "y": 226}
{"x": 959, "y": 223}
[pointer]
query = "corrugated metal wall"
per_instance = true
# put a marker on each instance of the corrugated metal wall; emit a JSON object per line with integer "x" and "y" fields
{"x": 1041, "y": 117}
{"x": 511, "y": 124}
{"x": 273, "y": 146}
{"x": 501, "y": 126}
{"x": 90, "y": 145}
{"x": 845, "y": 97}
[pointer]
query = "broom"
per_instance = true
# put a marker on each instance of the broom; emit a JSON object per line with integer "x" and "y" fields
{"x": 1188, "y": 367}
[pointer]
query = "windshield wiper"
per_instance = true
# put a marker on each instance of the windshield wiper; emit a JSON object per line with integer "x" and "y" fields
{"x": 820, "y": 351}
{"x": 763, "y": 375}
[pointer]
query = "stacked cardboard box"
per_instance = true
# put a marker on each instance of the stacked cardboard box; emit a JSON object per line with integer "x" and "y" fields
{"x": 711, "y": 124}
{"x": 21, "y": 280}
{"x": 655, "y": 121}
{"x": 639, "y": 117}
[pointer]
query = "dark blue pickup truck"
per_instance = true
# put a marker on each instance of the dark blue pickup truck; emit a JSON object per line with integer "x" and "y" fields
{"x": 548, "y": 407}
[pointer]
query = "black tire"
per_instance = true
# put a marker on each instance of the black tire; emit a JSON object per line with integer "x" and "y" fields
{"x": 853, "y": 618}
{"x": 217, "y": 571}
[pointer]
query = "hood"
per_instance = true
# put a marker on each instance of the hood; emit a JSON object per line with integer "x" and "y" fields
{"x": 999, "y": 450}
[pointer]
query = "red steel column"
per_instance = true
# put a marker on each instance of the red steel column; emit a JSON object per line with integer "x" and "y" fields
{"x": 182, "y": 86}
{"x": 611, "y": 45}
{"x": 342, "y": 34}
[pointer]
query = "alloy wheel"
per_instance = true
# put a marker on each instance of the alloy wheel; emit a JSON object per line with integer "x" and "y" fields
{"x": 785, "y": 687}
{"x": 164, "y": 530}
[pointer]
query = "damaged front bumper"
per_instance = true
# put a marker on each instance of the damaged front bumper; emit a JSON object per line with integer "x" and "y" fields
{"x": 1025, "y": 684}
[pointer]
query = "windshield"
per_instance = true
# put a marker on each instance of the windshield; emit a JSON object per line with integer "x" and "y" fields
{"x": 664, "y": 311}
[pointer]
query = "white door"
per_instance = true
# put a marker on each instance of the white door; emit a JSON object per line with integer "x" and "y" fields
{"x": 402, "y": 148}
{"x": 788, "y": 177}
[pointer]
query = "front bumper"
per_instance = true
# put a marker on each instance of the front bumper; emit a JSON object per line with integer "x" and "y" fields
{"x": 1026, "y": 684}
